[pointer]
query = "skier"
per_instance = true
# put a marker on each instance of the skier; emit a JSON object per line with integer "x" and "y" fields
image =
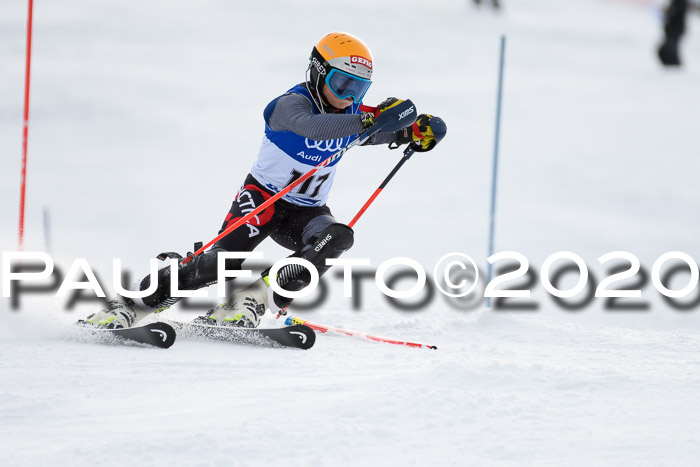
{"x": 674, "y": 28}
{"x": 307, "y": 124}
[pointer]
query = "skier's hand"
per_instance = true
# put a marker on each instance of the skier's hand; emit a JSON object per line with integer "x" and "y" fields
{"x": 426, "y": 132}
{"x": 369, "y": 118}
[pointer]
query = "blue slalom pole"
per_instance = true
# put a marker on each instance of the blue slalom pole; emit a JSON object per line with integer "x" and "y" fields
{"x": 494, "y": 173}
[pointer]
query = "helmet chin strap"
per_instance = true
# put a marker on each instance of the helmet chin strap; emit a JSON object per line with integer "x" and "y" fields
{"x": 319, "y": 105}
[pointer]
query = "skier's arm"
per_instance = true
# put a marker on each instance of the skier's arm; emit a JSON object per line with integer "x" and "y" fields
{"x": 294, "y": 113}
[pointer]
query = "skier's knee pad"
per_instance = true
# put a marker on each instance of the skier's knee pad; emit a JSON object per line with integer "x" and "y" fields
{"x": 197, "y": 273}
{"x": 331, "y": 243}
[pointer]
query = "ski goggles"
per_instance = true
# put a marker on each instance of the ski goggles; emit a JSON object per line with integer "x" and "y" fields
{"x": 345, "y": 85}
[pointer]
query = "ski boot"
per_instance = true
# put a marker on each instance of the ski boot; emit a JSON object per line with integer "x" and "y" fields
{"x": 119, "y": 314}
{"x": 244, "y": 308}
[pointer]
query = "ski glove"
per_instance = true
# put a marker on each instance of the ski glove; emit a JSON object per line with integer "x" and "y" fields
{"x": 421, "y": 132}
{"x": 369, "y": 118}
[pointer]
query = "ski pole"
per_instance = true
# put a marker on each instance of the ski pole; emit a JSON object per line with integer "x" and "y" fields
{"x": 292, "y": 320}
{"x": 390, "y": 124}
{"x": 439, "y": 131}
{"x": 408, "y": 152}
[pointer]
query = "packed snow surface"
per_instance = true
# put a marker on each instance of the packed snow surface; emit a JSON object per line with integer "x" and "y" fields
{"x": 145, "y": 119}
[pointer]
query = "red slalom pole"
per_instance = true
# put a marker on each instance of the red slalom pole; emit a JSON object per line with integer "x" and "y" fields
{"x": 292, "y": 320}
{"x": 25, "y": 127}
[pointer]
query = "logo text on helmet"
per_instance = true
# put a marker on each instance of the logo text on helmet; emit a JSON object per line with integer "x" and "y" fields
{"x": 329, "y": 50}
{"x": 320, "y": 68}
{"x": 361, "y": 60}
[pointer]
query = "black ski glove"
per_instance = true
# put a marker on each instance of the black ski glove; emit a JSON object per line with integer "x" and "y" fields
{"x": 427, "y": 131}
{"x": 369, "y": 118}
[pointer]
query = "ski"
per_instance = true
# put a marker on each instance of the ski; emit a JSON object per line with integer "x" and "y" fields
{"x": 157, "y": 334}
{"x": 299, "y": 336}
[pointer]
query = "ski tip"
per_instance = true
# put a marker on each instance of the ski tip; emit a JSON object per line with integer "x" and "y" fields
{"x": 306, "y": 336}
{"x": 164, "y": 334}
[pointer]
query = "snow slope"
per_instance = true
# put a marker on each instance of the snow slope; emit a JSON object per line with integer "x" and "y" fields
{"x": 146, "y": 117}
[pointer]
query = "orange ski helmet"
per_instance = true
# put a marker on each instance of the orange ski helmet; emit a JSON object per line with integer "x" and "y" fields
{"x": 344, "y": 63}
